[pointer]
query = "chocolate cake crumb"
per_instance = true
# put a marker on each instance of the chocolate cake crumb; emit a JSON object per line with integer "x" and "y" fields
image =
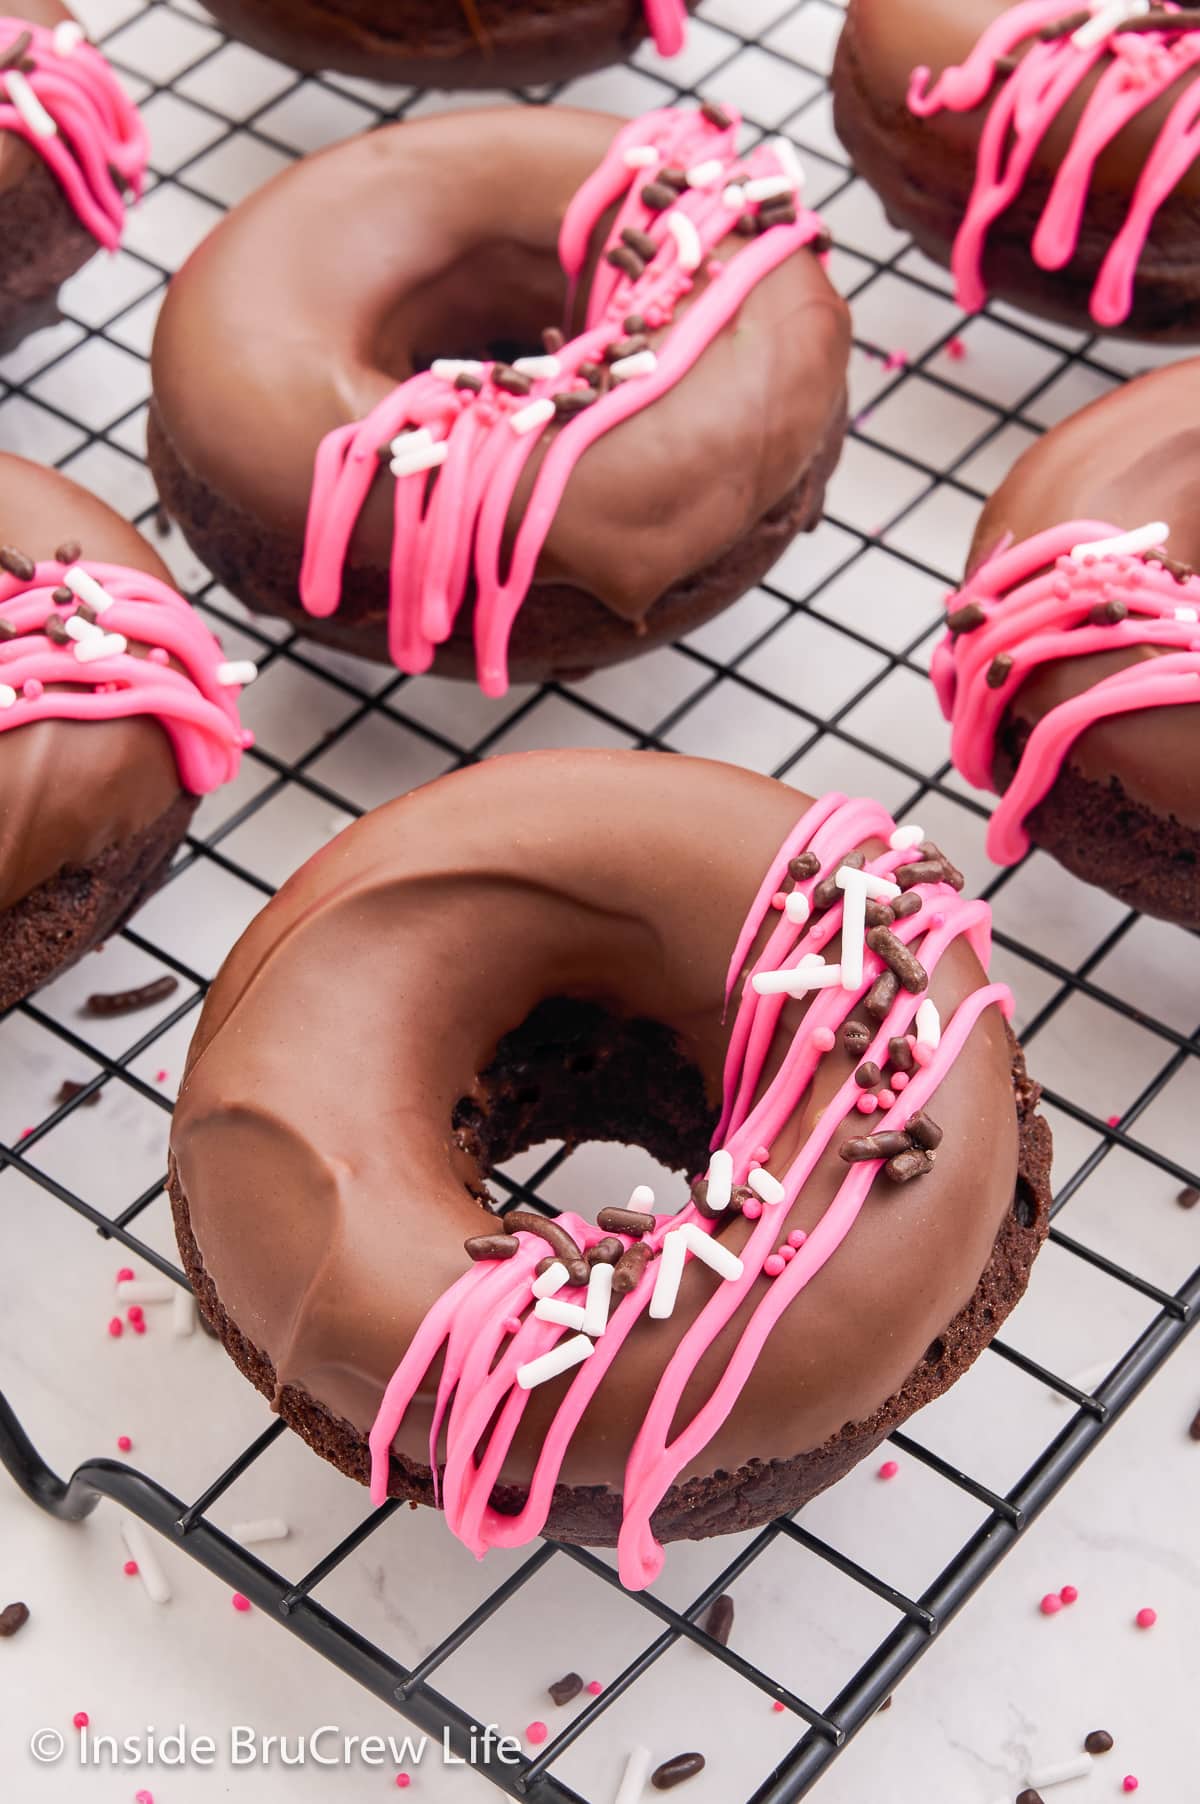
{"x": 1029, "y": 1796}
{"x": 12, "y": 1618}
{"x": 1098, "y": 1742}
{"x": 68, "y": 1090}
{"x": 719, "y": 1621}
{"x": 563, "y": 1690}
{"x": 126, "y": 1002}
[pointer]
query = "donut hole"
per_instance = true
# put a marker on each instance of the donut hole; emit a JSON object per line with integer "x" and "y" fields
{"x": 1025, "y": 1204}
{"x": 572, "y": 1072}
{"x": 495, "y": 301}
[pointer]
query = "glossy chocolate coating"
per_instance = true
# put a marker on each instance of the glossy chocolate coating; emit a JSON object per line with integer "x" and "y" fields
{"x": 312, "y": 1141}
{"x": 71, "y": 788}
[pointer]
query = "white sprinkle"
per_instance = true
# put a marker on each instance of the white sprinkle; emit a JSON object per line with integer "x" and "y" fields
{"x": 414, "y": 459}
{"x": 797, "y": 907}
{"x": 789, "y": 161}
{"x": 264, "y": 1528}
{"x": 1143, "y": 538}
{"x": 770, "y": 187}
{"x": 137, "y": 1543}
{"x": 541, "y": 369}
{"x": 238, "y": 673}
{"x": 28, "y": 105}
{"x": 559, "y": 1359}
{"x": 68, "y": 36}
{"x": 854, "y": 928}
{"x": 705, "y": 174}
{"x": 1078, "y": 1767}
{"x": 551, "y": 1280}
{"x": 80, "y": 629}
{"x": 146, "y": 1290}
{"x": 642, "y": 363}
{"x": 8, "y": 695}
{"x": 1106, "y": 19}
{"x": 633, "y": 1780}
{"x": 904, "y": 837}
{"x": 84, "y": 586}
{"x": 599, "y": 1295}
{"x": 640, "y": 156}
{"x": 766, "y": 1186}
{"x": 183, "y": 1313}
{"x": 104, "y": 645}
{"x": 641, "y": 1197}
{"x": 734, "y": 197}
{"x": 563, "y": 1315}
{"x": 448, "y": 368}
{"x": 929, "y": 1024}
{"x": 707, "y": 1248}
{"x": 1187, "y": 614}
{"x": 881, "y": 889}
{"x": 670, "y": 1271}
{"x": 687, "y": 239}
{"x": 720, "y": 1180}
{"x": 812, "y": 973}
{"x": 528, "y": 419}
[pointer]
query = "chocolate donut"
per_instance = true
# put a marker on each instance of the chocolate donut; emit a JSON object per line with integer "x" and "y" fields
{"x": 544, "y": 946}
{"x": 455, "y": 43}
{"x": 117, "y": 711}
{"x": 71, "y": 148}
{"x": 592, "y": 500}
{"x": 1074, "y": 648}
{"x": 1045, "y": 151}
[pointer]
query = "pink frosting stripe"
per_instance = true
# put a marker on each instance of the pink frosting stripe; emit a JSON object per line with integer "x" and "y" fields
{"x": 449, "y": 528}
{"x": 1037, "y": 603}
{"x": 479, "y": 1405}
{"x": 667, "y": 20}
{"x": 43, "y": 680}
{"x": 1144, "y": 66}
{"x": 99, "y": 145}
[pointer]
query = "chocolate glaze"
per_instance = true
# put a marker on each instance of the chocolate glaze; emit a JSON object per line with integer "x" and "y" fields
{"x": 1132, "y": 456}
{"x": 433, "y": 43}
{"x": 325, "y": 288}
{"x": 313, "y": 1149}
{"x": 923, "y": 169}
{"x": 70, "y": 789}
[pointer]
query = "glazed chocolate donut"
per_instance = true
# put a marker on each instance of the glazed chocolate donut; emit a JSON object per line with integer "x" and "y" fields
{"x": 71, "y": 147}
{"x": 455, "y": 43}
{"x": 592, "y": 500}
{"x": 1073, "y": 654}
{"x": 117, "y": 711}
{"x": 545, "y": 946}
{"x": 1045, "y": 151}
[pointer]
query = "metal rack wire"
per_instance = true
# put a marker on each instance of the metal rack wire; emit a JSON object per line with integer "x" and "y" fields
{"x": 792, "y": 50}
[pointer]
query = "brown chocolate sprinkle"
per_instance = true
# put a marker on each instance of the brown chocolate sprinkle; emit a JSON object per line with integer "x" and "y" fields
{"x": 62, "y": 596}
{"x": 605, "y": 1252}
{"x": 674, "y": 1771}
{"x": 950, "y": 871}
{"x": 868, "y": 1075}
{"x": 716, "y": 115}
{"x": 889, "y": 1143}
{"x": 69, "y": 1090}
{"x": 879, "y": 914}
{"x": 574, "y": 400}
{"x": 124, "y": 1002}
{"x": 1061, "y": 28}
{"x": 657, "y": 196}
{"x": 900, "y": 1053}
{"x": 469, "y": 382}
{"x": 510, "y": 380}
{"x": 1181, "y": 572}
{"x": 16, "y": 50}
{"x": 553, "y": 341}
{"x": 520, "y": 1221}
{"x": 803, "y": 866}
{"x": 1098, "y": 1742}
{"x": 627, "y": 261}
{"x": 640, "y": 243}
{"x": 85, "y": 612}
{"x": 926, "y": 870}
{"x": 1188, "y": 1197}
{"x": 966, "y": 619}
{"x": 635, "y": 324}
{"x": 625, "y": 1221}
{"x": 55, "y": 631}
{"x": 16, "y": 563}
{"x": 776, "y": 212}
{"x": 492, "y": 1246}
{"x": 719, "y": 1621}
{"x": 998, "y": 669}
{"x": 630, "y": 1266}
{"x": 925, "y": 1132}
{"x": 69, "y": 552}
{"x": 566, "y": 1688}
{"x": 591, "y": 372}
{"x": 747, "y": 225}
{"x": 1194, "y": 1430}
{"x": 674, "y": 177}
{"x": 1107, "y": 613}
{"x": 856, "y": 1037}
{"x": 905, "y": 1166}
{"x": 13, "y": 1616}
{"x": 904, "y": 906}
{"x": 7, "y": 630}
{"x": 881, "y": 994}
{"x": 625, "y": 347}
{"x": 899, "y": 959}
{"x": 740, "y": 1195}
{"x": 827, "y": 892}
{"x": 1029, "y": 1796}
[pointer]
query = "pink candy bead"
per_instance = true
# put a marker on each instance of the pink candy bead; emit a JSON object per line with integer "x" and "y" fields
{"x": 239, "y": 1602}
{"x": 594, "y": 1688}
{"x": 888, "y": 1469}
{"x": 81, "y": 1719}
{"x": 884, "y": 1098}
{"x": 511, "y": 1324}
{"x": 1129, "y": 1783}
{"x": 786, "y": 1253}
{"x": 752, "y": 1209}
{"x": 130, "y": 1568}
{"x": 1051, "y": 1604}
{"x": 124, "y": 1444}
{"x": 536, "y": 1733}
{"x": 772, "y": 1265}
{"x": 116, "y": 1327}
{"x": 1146, "y": 1619}
{"x": 899, "y": 1080}
{"x": 824, "y": 1039}
{"x": 778, "y": 900}
{"x": 1069, "y": 1594}
{"x": 403, "y": 1781}
{"x": 158, "y": 655}
{"x": 32, "y": 689}
{"x": 867, "y": 1103}
{"x": 797, "y": 1237}
{"x": 956, "y": 350}
{"x": 125, "y": 1274}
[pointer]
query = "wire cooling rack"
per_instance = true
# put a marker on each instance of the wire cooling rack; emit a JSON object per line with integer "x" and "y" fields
{"x": 818, "y": 677}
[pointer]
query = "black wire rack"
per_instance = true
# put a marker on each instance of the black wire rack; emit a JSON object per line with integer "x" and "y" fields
{"x": 778, "y": 78}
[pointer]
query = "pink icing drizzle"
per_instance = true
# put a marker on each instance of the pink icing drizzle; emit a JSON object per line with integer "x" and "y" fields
{"x": 48, "y": 682}
{"x": 667, "y": 20}
{"x": 99, "y": 130}
{"x": 479, "y": 1405}
{"x": 1143, "y": 67}
{"x": 1037, "y": 601}
{"x": 449, "y": 534}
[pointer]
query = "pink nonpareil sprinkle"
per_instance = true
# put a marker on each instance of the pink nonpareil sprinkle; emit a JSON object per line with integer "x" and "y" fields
{"x": 786, "y": 1252}
{"x": 956, "y": 349}
{"x": 511, "y": 1324}
{"x": 594, "y": 1688}
{"x": 136, "y": 1313}
{"x": 32, "y": 689}
{"x": 773, "y": 1265}
{"x": 777, "y": 1707}
{"x": 160, "y": 1077}
{"x": 143, "y": 1797}
{"x": 867, "y": 1103}
{"x": 752, "y": 1209}
{"x": 1129, "y": 1783}
{"x": 778, "y": 900}
{"x": 896, "y": 360}
{"x": 403, "y": 1781}
{"x": 884, "y": 1098}
{"x": 1051, "y": 1604}
{"x": 81, "y": 1719}
{"x": 824, "y": 1039}
{"x": 124, "y": 1444}
{"x": 888, "y": 1469}
{"x": 1146, "y": 1619}
{"x": 116, "y": 1327}
{"x": 1069, "y": 1594}
{"x": 157, "y": 655}
{"x": 125, "y": 1275}
{"x": 536, "y": 1734}
{"x": 130, "y": 1568}
{"x": 797, "y": 1237}
{"x": 239, "y": 1602}
{"x": 899, "y": 1080}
